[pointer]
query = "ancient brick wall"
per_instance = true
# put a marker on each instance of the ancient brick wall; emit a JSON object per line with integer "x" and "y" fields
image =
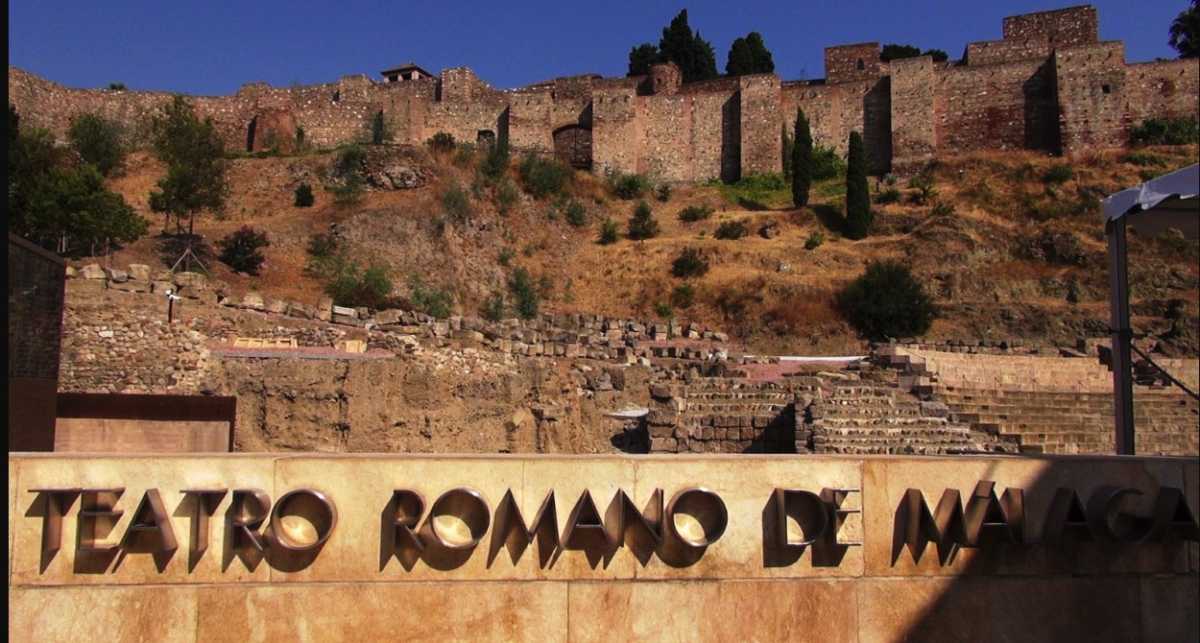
{"x": 1048, "y": 85}
{"x": 1060, "y": 27}
{"x": 991, "y": 52}
{"x": 759, "y": 124}
{"x": 1161, "y": 89}
{"x": 846, "y": 63}
{"x": 912, "y": 110}
{"x": 986, "y": 107}
{"x": 1090, "y": 84}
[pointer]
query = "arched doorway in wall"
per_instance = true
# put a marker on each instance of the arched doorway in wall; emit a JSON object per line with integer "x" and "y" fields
{"x": 573, "y": 146}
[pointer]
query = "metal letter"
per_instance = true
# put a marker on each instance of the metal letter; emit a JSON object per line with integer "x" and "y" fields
{"x": 407, "y": 508}
{"x": 207, "y": 501}
{"x": 809, "y": 512}
{"x": 1173, "y": 517}
{"x": 510, "y": 530}
{"x": 585, "y": 529}
{"x": 97, "y": 519}
{"x": 706, "y": 508}
{"x": 468, "y": 506}
{"x": 57, "y": 503}
{"x": 944, "y": 527}
{"x": 1105, "y": 513}
{"x": 151, "y": 528}
{"x": 247, "y": 512}
{"x": 317, "y": 510}
{"x": 990, "y": 519}
{"x": 1066, "y": 515}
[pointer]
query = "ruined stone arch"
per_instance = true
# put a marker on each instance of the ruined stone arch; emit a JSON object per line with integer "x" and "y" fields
{"x": 573, "y": 145}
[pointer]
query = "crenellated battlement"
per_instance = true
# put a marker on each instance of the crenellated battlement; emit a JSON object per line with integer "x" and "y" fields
{"x": 1049, "y": 84}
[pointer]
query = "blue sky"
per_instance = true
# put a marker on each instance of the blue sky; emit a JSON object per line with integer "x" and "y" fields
{"x": 215, "y": 47}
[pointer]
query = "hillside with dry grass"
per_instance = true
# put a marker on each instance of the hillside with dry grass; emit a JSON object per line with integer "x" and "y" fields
{"x": 1009, "y": 244}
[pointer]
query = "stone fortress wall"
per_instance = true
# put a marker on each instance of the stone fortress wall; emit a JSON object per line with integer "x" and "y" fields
{"x": 1049, "y": 84}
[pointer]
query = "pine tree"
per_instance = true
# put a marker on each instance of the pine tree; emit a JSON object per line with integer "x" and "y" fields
{"x": 693, "y": 54}
{"x": 641, "y": 57}
{"x": 749, "y": 55}
{"x": 802, "y": 155}
{"x": 858, "y": 198}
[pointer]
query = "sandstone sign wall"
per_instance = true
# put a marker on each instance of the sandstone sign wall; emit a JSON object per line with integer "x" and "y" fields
{"x": 1050, "y": 84}
{"x": 270, "y": 547}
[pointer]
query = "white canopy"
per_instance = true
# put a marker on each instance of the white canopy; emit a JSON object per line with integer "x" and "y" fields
{"x": 1168, "y": 201}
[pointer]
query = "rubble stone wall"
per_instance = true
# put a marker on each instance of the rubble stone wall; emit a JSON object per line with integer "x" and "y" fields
{"x": 1049, "y": 84}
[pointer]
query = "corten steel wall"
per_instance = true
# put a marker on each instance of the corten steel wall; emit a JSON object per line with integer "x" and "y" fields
{"x": 356, "y": 589}
{"x": 92, "y": 422}
{"x": 36, "y": 282}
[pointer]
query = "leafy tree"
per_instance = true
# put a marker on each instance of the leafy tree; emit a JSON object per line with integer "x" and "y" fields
{"x": 896, "y": 52}
{"x": 59, "y": 204}
{"x": 493, "y": 308}
{"x": 802, "y": 160}
{"x": 642, "y": 225}
{"x": 640, "y": 59}
{"x": 749, "y": 55}
{"x": 304, "y": 196}
{"x": 117, "y": 87}
{"x": 893, "y": 51}
{"x": 1185, "y": 31}
{"x": 525, "y": 293}
{"x": 689, "y": 263}
{"x": 542, "y": 176}
{"x": 682, "y": 46}
{"x": 241, "y": 250}
{"x": 432, "y": 301}
{"x": 608, "y": 232}
{"x": 98, "y": 141}
{"x": 858, "y": 195}
{"x": 352, "y": 286}
{"x": 194, "y": 155}
{"x": 887, "y": 301}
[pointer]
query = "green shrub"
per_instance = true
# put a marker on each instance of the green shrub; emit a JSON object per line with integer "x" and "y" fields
{"x": 493, "y": 308}
{"x": 352, "y": 286}
{"x": 1058, "y": 173}
{"x": 347, "y": 172}
{"x": 575, "y": 213}
{"x": 506, "y": 256}
{"x": 608, "y": 232}
{"x": 456, "y": 204}
{"x": 731, "y": 230}
{"x": 628, "y": 186}
{"x": 506, "y": 196}
{"x": 434, "y": 302}
{"x": 642, "y": 224}
{"x": 663, "y": 192}
{"x": 543, "y": 177}
{"x": 663, "y": 310}
{"x": 890, "y": 195}
{"x": 303, "y": 196}
{"x": 887, "y": 301}
{"x": 1143, "y": 159}
{"x": 525, "y": 294}
{"x": 240, "y": 250}
{"x": 441, "y": 142}
{"x": 923, "y": 184}
{"x": 117, "y": 87}
{"x": 695, "y": 213}
{"x": 97, "y": 141}
{"x": 826, "y": 164}
{"x": 689, "y": 263}
{"x": 941, "y": 209}
{"x": 464, "y": 155}
{"x": 683, "y": 296}
{"x": 1166, "y": 131}
{"x": 814, "y": 240}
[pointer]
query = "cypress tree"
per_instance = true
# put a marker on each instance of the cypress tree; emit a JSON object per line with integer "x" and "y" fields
{"x": 802, "y": 156}
{"x": 858, "y": 197}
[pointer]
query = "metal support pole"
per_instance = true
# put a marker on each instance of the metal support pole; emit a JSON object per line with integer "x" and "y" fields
{"x": 1122, "y": 361}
